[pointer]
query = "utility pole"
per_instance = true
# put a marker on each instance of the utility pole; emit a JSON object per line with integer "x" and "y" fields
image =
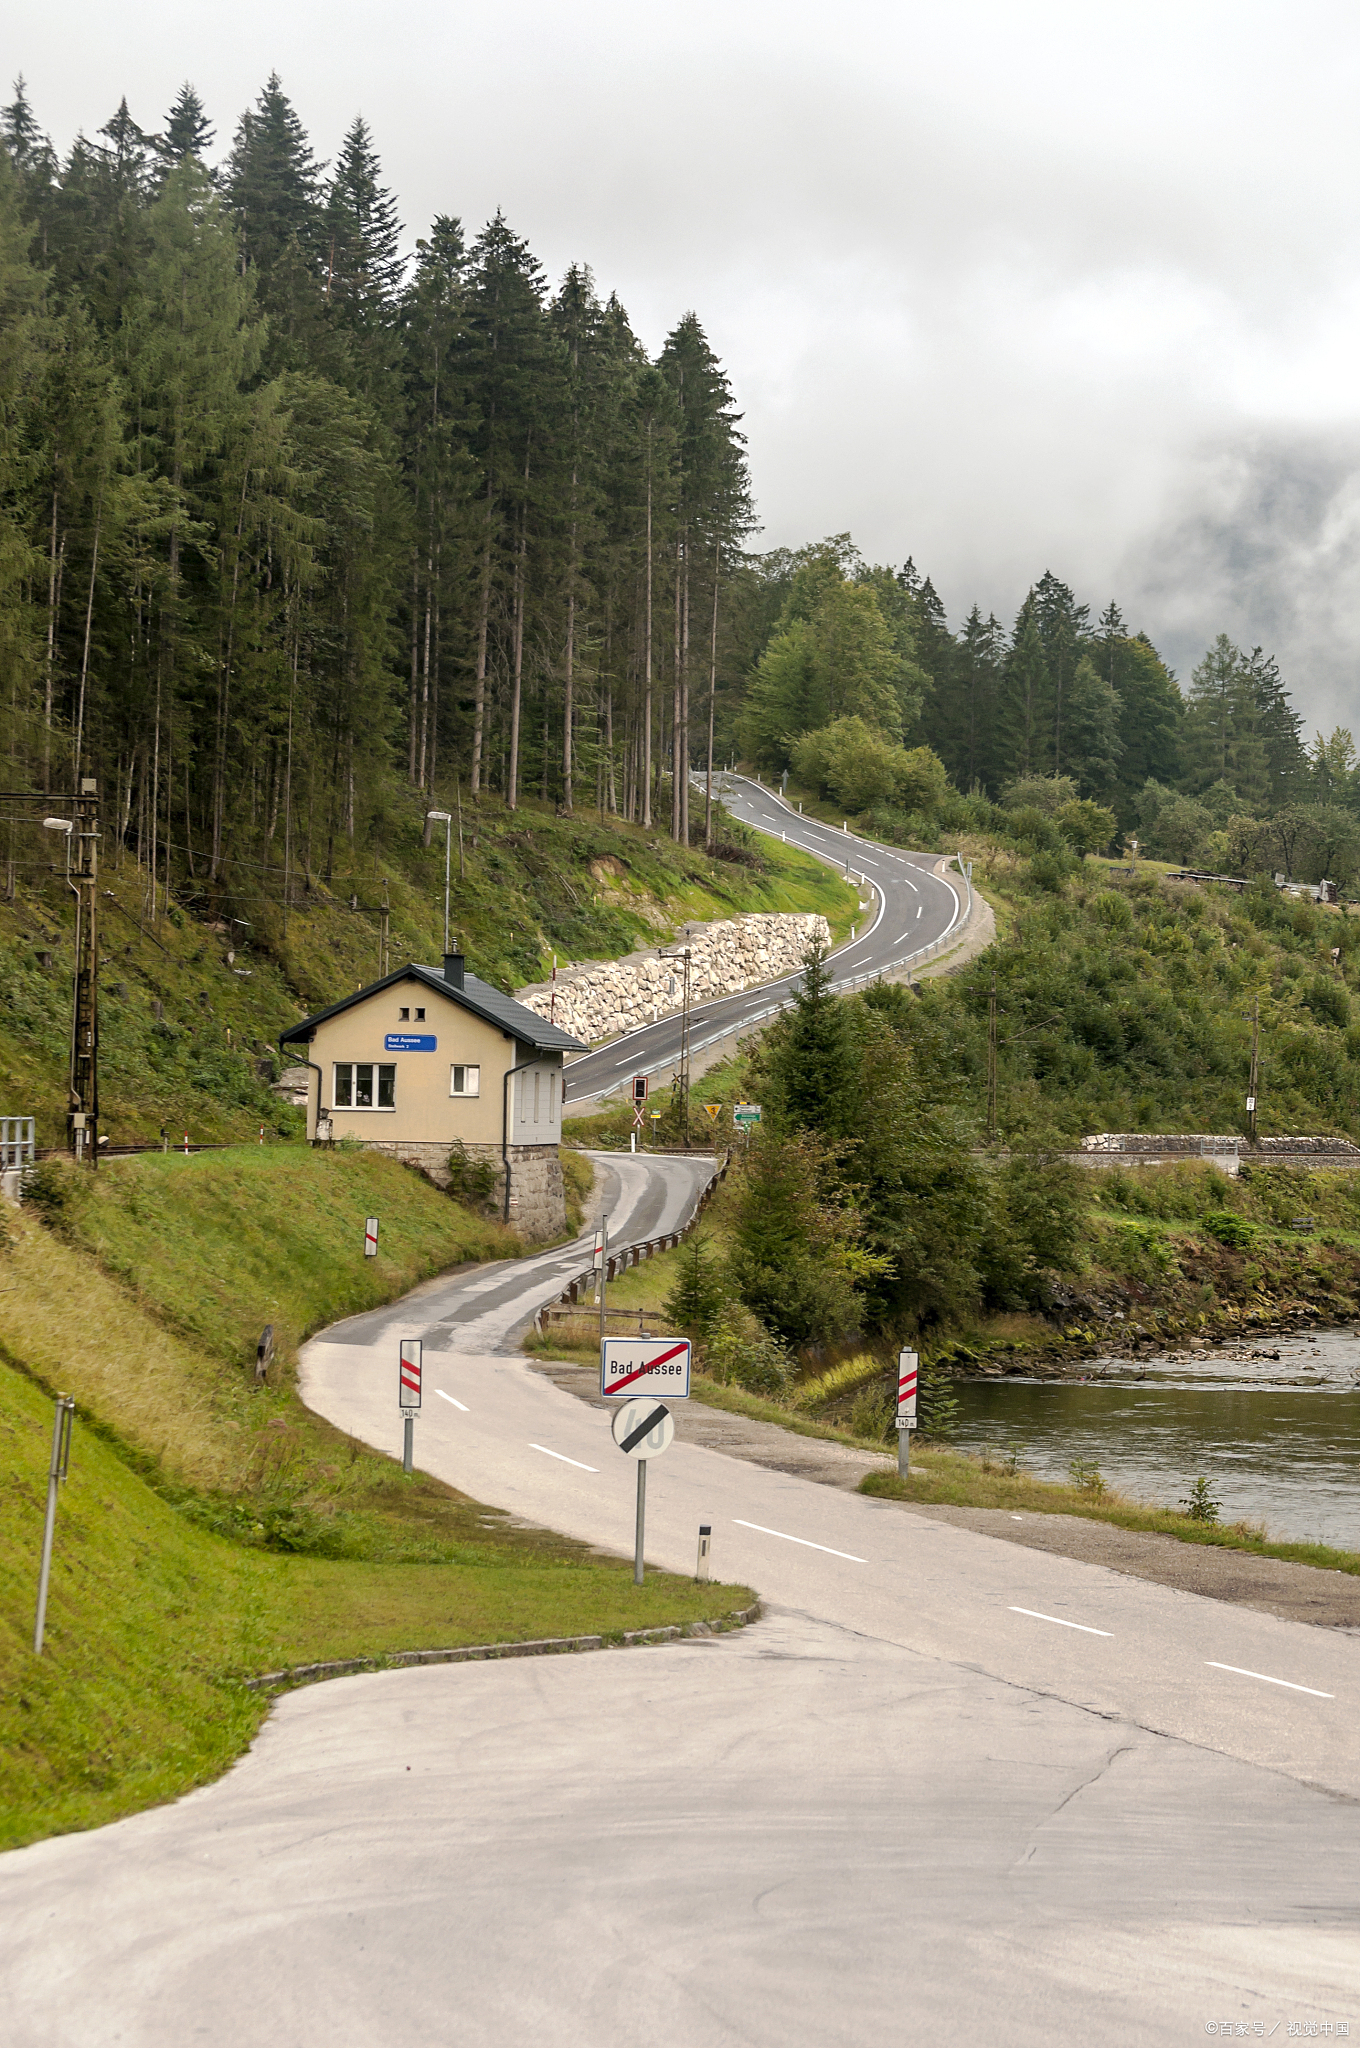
{"x": 991, "y": 1063}
{"x": 1255, "y": 1067}
{"x": 445, "y": 818}
{"x": 83, "y": 1113}
{"x": 682, "y": 1068}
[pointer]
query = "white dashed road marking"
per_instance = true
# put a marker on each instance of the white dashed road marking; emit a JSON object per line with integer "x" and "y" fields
{"x": 564, "y": 1458}
{"x": 1266, "y": 1679}
{"x": 761, "y": 1531}
{"x": 1035, "y": 1615}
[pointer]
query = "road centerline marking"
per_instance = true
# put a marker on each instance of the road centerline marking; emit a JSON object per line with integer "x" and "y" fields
{"x": 449, "y": 1397}
{"x": 761, "y": 1530}
{"x": 564, "y": 1458}
{"x": 1266, "y": 1679}
{"x": 1035, "y": 1615}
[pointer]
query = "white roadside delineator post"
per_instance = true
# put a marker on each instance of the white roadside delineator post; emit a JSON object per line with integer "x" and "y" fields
{"x": 370, "y": 1237}
{"x": 408, "y": 1396}
{"x": 908, "y": 1365}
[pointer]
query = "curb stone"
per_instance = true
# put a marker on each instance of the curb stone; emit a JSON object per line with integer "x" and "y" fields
{"x": 547, "y": 1646}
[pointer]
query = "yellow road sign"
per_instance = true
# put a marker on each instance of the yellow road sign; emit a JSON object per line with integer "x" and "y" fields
{"x": 713, "y": 1108}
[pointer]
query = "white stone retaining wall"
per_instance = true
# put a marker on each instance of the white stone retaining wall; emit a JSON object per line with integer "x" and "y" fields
{"x": 742, "y": 952}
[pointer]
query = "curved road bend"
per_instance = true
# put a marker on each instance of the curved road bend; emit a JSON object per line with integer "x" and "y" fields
{"x": 479, "y": 1311}
{"x": 952, "y": 1788}
{"x": 913, "y": 906}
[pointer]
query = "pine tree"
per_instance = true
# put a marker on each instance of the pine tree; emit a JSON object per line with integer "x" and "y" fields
{"x": 1222, "y": 743}
{"x": 711, "y": 511}
{"x": 1023, "y": 711}
{"x": 364, "y": 264}
{"x": 1063, "y": 625}
{"x": 1093, "y": 743}
{"x": 188, "y": 131}
{"x": 811, "y": 1071}
{"x": 273, "y": 184}
{"x": 971, "y": 730}
{"x": 20, "y": 135}
{"x": 1278, "y": 729}
{"x": 442, "y": 478}
{"x": 515, "y": 368}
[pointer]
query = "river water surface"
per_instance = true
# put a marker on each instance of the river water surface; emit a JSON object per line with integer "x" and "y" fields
{"x": 1273, "y": 1424}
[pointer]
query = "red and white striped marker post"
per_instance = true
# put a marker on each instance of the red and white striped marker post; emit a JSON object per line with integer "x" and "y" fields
{"x": 908, "y": 1367}
{"x": 408, "y": 1396}
{"x": 370, "y": 1237}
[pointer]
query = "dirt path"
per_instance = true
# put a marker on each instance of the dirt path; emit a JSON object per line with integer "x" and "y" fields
{"x": 1292, "y": 1592}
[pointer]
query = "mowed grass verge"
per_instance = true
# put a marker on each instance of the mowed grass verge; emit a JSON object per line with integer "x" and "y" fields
{"x": 211, "y": 1531}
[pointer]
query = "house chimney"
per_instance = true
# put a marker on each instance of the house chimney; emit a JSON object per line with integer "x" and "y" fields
{"x": 453, "y": 969}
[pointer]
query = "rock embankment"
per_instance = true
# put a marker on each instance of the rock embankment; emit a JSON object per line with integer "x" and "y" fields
{"x": 619, "y": 995}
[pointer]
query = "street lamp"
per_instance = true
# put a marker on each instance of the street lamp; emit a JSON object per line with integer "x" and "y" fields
{"x": 444, "y": 818}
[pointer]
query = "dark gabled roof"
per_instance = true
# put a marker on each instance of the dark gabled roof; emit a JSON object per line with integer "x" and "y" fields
{"x": 478, "y": 996}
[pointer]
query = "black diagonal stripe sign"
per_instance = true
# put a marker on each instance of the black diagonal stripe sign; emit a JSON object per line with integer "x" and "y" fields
{"x": 644, "y": 1428}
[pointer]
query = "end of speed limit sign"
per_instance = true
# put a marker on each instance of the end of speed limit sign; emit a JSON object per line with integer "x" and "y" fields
{"x": 642, "y": 1428}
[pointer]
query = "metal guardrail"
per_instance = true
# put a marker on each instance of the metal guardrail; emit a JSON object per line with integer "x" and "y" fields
{"x": 17, "y": 1141}
{"x": 634, "y": 1254}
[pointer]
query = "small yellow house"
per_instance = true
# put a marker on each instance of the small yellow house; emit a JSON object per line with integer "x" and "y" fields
{"x": 424, "y": 1064}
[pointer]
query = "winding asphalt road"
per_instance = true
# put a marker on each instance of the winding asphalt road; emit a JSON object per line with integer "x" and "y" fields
{"x": 952, "y": 1787}
{"x": 913, "y": 907}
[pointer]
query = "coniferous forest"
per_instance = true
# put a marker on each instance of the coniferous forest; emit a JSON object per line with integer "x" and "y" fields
{"x": 291, "y": 520}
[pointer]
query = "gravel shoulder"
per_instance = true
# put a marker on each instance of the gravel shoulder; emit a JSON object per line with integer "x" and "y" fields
{"x": 1291, "y": 1592}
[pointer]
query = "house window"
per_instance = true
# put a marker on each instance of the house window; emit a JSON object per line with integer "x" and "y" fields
{"x": 420, "y": 1016}
{"x": 465, "y": 1080}
{"x": 355, "y": 1081}
{"x": 403, "y": 1016}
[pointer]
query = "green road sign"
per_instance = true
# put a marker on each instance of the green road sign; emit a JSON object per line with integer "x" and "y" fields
{"x": 746, "y": 1113}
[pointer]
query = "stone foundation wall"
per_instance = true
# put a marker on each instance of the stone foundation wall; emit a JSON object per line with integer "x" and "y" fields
{"x": 538, "y": 1192}
{"x": 619, "y": 995}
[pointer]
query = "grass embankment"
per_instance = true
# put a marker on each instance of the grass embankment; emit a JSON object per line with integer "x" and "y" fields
{"x": 1126, "y": 1003}
{"x": 210, "y": 1530}
{"x": 1176, "y": 1211}
{"x": 193, "y": 1000}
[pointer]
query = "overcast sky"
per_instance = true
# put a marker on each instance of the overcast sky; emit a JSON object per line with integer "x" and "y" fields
{"x": 1004, "y": 287}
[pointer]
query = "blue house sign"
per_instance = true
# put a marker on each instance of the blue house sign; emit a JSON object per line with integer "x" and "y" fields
{"x": 408, "y": 1041}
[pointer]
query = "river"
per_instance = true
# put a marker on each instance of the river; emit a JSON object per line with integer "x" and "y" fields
{"x": 1272, "y": 1423}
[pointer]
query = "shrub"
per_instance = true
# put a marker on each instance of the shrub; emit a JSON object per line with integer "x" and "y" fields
{"x": 1113, "y": 911}
{"x": 1201, "y": 1504}
{"x": 1086, "y": 826}
{"x": 873, "y": 1414}
{"x": 471, "y": 1181}
{"x": 1050, "y": 871}
{"x": 51, "y": 1188}
{"x": 1087, "y": 1477}
{"x": 1328, "y": 1001}
{"x": 699, "y": 1296}
{"x": 1231, "y": 1230}
{"x": 742, "y": 1353}
{"x": 937, "y": 1405}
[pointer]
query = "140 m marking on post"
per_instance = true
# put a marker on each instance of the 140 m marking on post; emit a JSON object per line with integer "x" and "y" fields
{"x": 645, "y": 1365}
